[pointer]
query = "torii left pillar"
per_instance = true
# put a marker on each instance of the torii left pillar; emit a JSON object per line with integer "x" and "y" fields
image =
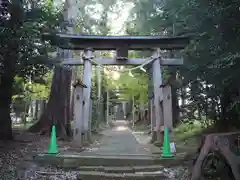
{"x": 87, "y": 77}
{"x": 78, "y": 112}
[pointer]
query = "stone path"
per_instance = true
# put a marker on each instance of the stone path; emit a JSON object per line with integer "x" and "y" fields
{"x": 119, "y": 140}
{"x": 119, "y": 156}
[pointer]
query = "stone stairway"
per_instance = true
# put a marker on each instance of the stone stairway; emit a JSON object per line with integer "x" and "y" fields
{"x": 107, "y": 167}
{"x": 118, "y": 156}
{"x": 121, "y": 175}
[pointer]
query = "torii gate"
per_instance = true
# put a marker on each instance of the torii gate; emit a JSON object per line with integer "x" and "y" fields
{"x": 162, "y": 116}
{"x": 120, "y": 101}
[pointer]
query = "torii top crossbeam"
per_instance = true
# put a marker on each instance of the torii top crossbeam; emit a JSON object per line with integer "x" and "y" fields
{"x": 81, "y": 42}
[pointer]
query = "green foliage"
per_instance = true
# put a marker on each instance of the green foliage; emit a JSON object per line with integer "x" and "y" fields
{"x": 136, "y": 86}
{"x": 32, "y": 62}
{"x": 211, "y": 66}
{"x": 33, "y": 51}
{"x": 41, "y": 91}
{"x": 30, "y": 90}
{"x": 186, "y": 130}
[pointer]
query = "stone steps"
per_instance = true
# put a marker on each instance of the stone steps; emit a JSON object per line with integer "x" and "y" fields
{"x": 106, "y": 167}
{"x": 73, "y": 161}
{"x": 119, "y": 169}
{"x": 150, "y": 172}
{"x": 93, "y": 175}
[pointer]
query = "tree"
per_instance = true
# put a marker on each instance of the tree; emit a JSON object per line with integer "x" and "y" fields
{"x": 10, "y": 35}
{"x": 24, "y": 93}
{"x": 211, "y": 66}
{"x": 58, "y": 107}
{"x": 21, "y": 50}
{"x": 133, "y": 87}
{"x": 211, "y": 59}
{"x": 90, "y": 25}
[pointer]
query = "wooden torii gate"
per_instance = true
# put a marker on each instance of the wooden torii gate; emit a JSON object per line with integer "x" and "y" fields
{"x": 122, "y": 44}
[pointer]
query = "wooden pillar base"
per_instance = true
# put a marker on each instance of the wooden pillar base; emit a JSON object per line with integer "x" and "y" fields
{"x": 157, "y": 138}
{"x": 89, "y": 139}
{"x": 160, "y": 137}
{"x": 78, "y": 140}
{"x": 86, "y": 137}
{"x": 154, "y": 136}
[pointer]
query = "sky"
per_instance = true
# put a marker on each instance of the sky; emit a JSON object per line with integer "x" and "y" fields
{"x": 117, "y": 20}
{"x": 116, "y": 23}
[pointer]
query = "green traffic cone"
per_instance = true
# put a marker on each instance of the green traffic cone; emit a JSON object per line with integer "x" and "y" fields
{"x": 52, "y": 148}
{"x": 166, "y": 152}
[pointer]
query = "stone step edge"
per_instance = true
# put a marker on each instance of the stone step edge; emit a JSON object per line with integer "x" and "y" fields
{"x": 126, "y": 175}
{"x": 75, "y": 156}
{"x": 119, "y": 169}
{"x": 63, "y": 161}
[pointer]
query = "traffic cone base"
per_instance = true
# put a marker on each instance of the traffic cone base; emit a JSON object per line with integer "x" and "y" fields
{"x": 167, "y": 156}
{"x": 166, "y": 151}
{"x": 53, "y": 148}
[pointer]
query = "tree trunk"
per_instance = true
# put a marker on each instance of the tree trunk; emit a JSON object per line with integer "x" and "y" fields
{"x": 6, "y": 85}
{"x": 9, "y": 55}
{"x": 58, "y": 108}
{"x": 224, "y": 147}
{"x": 5, "y": 103}
{"x": 36, "y": 117}
{"x": 199, "y": 112}
{"x": 229, "y": 116}
{"x": 175, "y": 104}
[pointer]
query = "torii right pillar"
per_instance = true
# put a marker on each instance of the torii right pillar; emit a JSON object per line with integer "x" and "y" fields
{"x": 158, "y": 97}
{"x": 167, "y": 106}
{"x": 162, "y": 102}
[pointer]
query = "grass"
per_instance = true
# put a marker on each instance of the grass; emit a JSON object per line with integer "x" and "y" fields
{"x": 182, "y": 132}
{"x": 187, "y": 136}
{"x": 185, "y": 131}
